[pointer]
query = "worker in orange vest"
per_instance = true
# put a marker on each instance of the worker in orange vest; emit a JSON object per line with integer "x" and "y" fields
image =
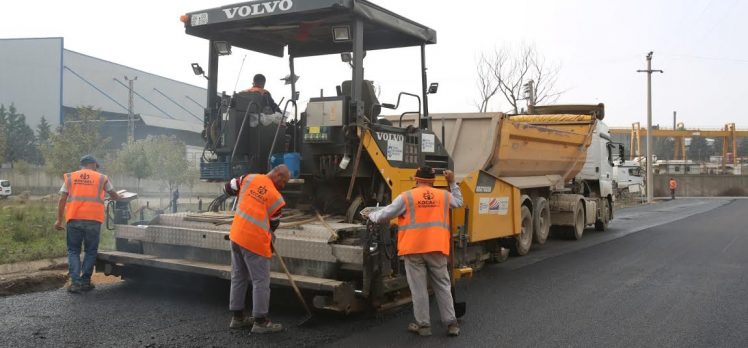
{"x": 258, "y": 86}
{"x": 423, "y": 240}
{"x": 257, "y": 216}
{"x": 673, "y": 184}
{"x": 81, "y": 206}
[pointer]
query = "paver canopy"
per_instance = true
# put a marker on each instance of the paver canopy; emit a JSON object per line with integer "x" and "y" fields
{"x": 305, "y": 26}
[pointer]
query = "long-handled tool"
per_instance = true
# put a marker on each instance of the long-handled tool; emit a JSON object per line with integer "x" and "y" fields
{"x": 460, "y": 307}
{"x": 295, "y": 288}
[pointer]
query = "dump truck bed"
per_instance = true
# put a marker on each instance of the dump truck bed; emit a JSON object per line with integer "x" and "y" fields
{"x": 513, "y": 146}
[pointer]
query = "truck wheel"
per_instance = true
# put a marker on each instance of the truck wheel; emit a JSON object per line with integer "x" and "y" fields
{"x": 541, "y": 220}
{"x": 523, "y": 241}
{"x": 602, "y": 223}
{"x": 576, "y": 231}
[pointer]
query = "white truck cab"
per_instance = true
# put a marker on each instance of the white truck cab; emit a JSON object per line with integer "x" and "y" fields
{"x": 5, "y": 189}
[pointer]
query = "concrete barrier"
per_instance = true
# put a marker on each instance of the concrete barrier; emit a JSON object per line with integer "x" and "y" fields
{"x": 702, "y": 185}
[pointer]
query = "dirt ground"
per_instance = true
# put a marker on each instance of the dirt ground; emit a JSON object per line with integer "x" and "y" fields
{"x": 43, "y": 279}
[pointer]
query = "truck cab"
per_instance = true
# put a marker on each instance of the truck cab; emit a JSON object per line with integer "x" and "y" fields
{"x": 5, "y": 189}
{"x": 629, "y": 177}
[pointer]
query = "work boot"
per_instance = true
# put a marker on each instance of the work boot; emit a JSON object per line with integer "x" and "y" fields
{"x": 419, "y": 329}
{"x": 75, "y": 288}
{"x": 266, "y": 326}
{"x": 453, "y": 329}
{"x": 241, "y": 322}
{"x": 87, "y": 286}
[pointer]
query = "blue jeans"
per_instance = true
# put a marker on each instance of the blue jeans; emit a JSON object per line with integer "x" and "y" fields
{"x": 84, "y": 232}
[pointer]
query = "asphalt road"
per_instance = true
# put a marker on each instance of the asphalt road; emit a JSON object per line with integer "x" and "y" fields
{"x": 669, "y": 274}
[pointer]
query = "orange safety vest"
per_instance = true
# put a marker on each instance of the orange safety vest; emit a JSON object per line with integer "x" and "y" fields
{"x": 424, "y": 227}
{"x": 258, "y": 201}
{"x": 85, "y": 195}
{"x": 673, "y": 184}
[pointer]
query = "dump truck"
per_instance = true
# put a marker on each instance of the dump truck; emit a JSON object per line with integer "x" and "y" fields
{"x": 522, "y": 176}
{"x": 345, "y": 157}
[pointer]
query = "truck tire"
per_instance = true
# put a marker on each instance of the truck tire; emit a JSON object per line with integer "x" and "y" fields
{"x": 575, "y": 232}
{"x": 602, "y": 223}
{"x": 541, "y": 220}
{"x": 523, "y": 241}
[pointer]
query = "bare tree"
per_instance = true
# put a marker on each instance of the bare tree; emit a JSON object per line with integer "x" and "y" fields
{"x": 487, "y": 85}
{"x": 508, "y": 70}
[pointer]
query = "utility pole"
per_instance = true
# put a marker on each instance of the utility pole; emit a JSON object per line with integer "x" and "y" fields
{"x": 649, "y": 71}
{"x": 130, "y": 112}
{"x": 674, "y": 119}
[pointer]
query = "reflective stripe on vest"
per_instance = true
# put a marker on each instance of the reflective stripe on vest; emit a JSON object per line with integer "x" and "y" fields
{"x": 251, "y": 226}
{"x": 82, "y": 203}
{"x": 424, "y": 228}
{"x": 412, "y": 213}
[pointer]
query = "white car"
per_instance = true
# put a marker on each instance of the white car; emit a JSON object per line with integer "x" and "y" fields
{"x": 5, "y": 189}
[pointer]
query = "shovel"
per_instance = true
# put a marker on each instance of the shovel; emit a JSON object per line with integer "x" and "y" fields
{"x": 460, "y": 307}
{"x": 295, "y": 288}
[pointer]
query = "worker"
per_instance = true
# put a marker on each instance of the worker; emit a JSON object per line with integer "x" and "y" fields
{"x": 423, "y": 240}
{"x": 174, "y": 199}
{"x": 81, "y": 205}
{"x": 257, "y": 216}
{"x": 673, "y": 184}
{"x": 258, "y": 86}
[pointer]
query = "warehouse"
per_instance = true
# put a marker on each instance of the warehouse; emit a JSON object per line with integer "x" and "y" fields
{"x": 43, "y": 79}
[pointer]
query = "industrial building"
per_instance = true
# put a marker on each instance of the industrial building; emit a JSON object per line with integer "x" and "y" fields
{"x": 43, "y": 79}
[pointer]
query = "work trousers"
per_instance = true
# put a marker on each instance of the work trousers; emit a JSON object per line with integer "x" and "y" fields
{"x": 246, "y": 266}
{"x": 417, "y": 266}
{"x": 87, "y": 233}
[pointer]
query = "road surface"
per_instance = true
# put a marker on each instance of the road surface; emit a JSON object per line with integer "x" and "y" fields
{"x": 672, "y": 274}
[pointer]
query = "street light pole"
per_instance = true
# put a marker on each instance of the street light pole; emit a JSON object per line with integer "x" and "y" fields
{"x": 649, "y": 71}
{"x": 130, "y": 111}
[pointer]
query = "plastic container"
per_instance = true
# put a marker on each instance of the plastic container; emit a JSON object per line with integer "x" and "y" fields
{"x": 276, "y": 160}
{"x": 293, "y": 161}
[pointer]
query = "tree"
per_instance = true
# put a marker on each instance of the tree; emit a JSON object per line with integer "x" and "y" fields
{"x": 167, "y": 158}
{"x": 24, "y": 168}
{"x": 43, "y": 131}
{"x": 509, "y": 70}
{"x": 743, "y": 148}
{"x": 3, "y": 141}
{"x": 19, "y": 138}
{"x": 663, "y": 148}
{"x": 698, "y": 150}
{"x": 133, "y": 160}
{"x": 487, "y": 85}
{"x": 73, "y": 140}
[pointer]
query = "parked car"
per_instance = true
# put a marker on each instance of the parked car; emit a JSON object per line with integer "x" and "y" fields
{"x": 5, "y": 189}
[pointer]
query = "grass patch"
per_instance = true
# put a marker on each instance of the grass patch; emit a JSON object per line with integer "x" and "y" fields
{"x": 27, "y": 232}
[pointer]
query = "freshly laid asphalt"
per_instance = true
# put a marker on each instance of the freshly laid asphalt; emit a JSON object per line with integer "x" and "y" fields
{"x": 671, "y": 274}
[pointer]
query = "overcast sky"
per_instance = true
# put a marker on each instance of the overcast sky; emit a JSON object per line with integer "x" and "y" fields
{"x": 700, "y": 44}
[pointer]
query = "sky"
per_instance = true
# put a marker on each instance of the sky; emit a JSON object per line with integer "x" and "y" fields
{"x": 599, "y": 45}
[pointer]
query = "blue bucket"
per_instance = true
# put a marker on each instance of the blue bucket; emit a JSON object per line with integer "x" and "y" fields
{"x": 293, "y": 161}
{"x": 276, "y": 160}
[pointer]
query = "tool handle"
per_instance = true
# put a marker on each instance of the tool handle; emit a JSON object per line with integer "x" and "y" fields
{"x": 293, "y": 283}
